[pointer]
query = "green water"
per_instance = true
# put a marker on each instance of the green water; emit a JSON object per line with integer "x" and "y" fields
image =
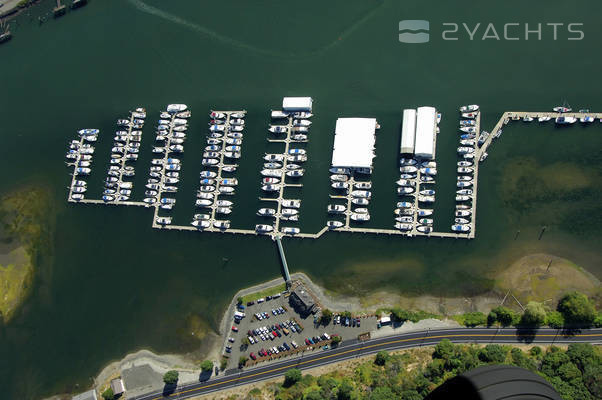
{"x": 113, "y": 285}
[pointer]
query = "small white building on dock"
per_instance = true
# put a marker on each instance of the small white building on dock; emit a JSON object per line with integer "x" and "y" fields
{"x": 354, "y": 140}
{"x": 408, "y": 131}
{"x": 297, "y": 104}
{"x": 426, "y": 127}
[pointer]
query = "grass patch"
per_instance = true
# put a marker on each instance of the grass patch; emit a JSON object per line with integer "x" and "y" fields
{"x": 263, "y": 293}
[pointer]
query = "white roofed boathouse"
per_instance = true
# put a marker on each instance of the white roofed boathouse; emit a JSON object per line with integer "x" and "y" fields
{"x": 426, "y": 127}
{"x": 354, "y": 140}
{"x": 297, "y": 104}
{"x": 408, "y": 132}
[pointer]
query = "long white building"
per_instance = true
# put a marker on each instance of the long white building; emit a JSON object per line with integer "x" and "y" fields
{"x": 408, "y": 131}
{"x": 426, "y": 126}
{"x": 354, "y": 140}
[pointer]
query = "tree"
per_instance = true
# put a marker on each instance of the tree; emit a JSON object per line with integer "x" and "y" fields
{"x": 336, "y": 340}
{"x": 245, "y": 341}
{"x": 242, "y": 361}
{"x": 534, "y": 315}
{"x": 314, "y": 394}
{"x": 444, "y": 349}
{"x": 410, "y": 395}
{"x": 535, "y": 351}
{"x": 552, "y": 360}
{"x": 592, "y": 378}
{"x": 381, "y": 358}
{"x": 291, "y": 377}
{"x": 582, "y": 354}
{"x": 503, "y": 315}
{"x": 554, "y": 319}
{"x": 239, "y": 300}
{"x": 492, "y": 353}
{"x": 474, "y": 318}
{"x": 520, "y": 359}
{"x": 171, "y": 377}
{"x": 345, "y": 391}
{"x": 382, "y": 393}
{"x": 223, "y": 363}
{"x": 108, "y": 394}
{"x": 577, "y": 309}
{"x": 207, "y": 366}
{"x": 326, "y": 316}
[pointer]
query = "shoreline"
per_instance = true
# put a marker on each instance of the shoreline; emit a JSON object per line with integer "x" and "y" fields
{"x": 189, "y": 368}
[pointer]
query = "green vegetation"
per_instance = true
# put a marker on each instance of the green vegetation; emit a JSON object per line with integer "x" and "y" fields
{"x": 108, "y": 394}
{"x": 223, "y": 363}
{"x": 534, "y": 315}
{"x": 326, "y": 316}
{"x": 502, "y": 315}
{"x": 471, "y": 319}
{"x": 267, "y": 292}
{"x": 575, "y": 373}
{"x": 242, "y": 361}
{"x": 25, "y": 3}
{"x": 336, "y": 340}
{"x": 291, "y": 377}
{"x": 401, "y": 315}
{"x": 554, "y": 319}
{"x": 577, "y": 309}
{"x": 207, "y": 366}
{"x": 171, "y": 377}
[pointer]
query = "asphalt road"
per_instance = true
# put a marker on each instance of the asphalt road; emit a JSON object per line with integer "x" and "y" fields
{"x": 351, "y": 349}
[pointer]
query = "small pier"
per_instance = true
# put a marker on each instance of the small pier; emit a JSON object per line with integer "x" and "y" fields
{"x": 59, "y": 10}
{"x": 287, "y": 276}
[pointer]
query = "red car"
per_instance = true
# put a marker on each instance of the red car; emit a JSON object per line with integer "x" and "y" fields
{"x": 252, "y": 355}
{"x": 234, "y": 329}
{"x": 307, "y": 342}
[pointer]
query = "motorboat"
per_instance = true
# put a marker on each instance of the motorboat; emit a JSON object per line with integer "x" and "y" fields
{"x": 163, "y": 220}
{"x": 426, "y": 199}
{"x": 232, "y": 154}
{"x": 408, "y": 169}
{"x": 424, "y": 228}
{"x": 462, "y": 213}
{"x": 527, "y": 118}
{"x": 107, "y": 197}
{"x": 184, "y": 114}
{"x": 362, "y": 185}
{"x": 296, "y": 151}
{"x": 302, "y": 114}
{"x": 360, "y": 201}
{"x": 213, "y": 142}
{"x": 465, "y": 170}
{"x": 176, "y": 108}
{"x": 208, "y": 174}
{"x": 234, "y": 135}
{"x": 405, "y": 219}
{"x": 292, "y": 166}
{"x": 360, "y": 217}
{"x": 425, "y": 221}
{"x": 173, "y": 174}
{"x": 302, "y": 122}
{"x": 340, "y": 171}
{"x": 465, "y": 164}
{"x": 277, "y": 128}
{"x": 468, "y": 129}
{"x": 483, "y": 157}
{"x": 299, "y": 137}
{"x": 217, "y": 128}
{"x": 223, "y": 210}
{"x": 295, "y": 173}
{"x": 290, "y": 230}
{"x": 174, "y": 167}
{"x": 562, "y": 109}
{"x": 207, "y": 181}
{"x": 336, "y": 209}
{"x": 565, "y": 120}
{"x": 497, "y": 134}
{"x": 229, "y": 168}
{"x": 404, "y": 204}
{"x": 365, "y": 194}
{"x": 176, "y": 148}
{"x": 209, "y": 161}
{"x": 288, "y": 212}
{"x": 149, "y": 193}
{"x": 277, "y": 114}
{"x": 201, "y": 224}
{"x": 403, "y": 227}
{"x": 586, "y": 119}
{"x": 296, "y": 158}
{"x": 471, "y": 115}
{"x": 272, "y": 165}
{"x": 291, "y": 203}
{"x": 462, "y": 197}
{"x": 401, "y": 212}
{"x": 427, "y": 192}
{"x": 275, "y": 173}
{"x": 469, "y": 108}
{"x": 483, "y": 137}
{"x": 211, "y": 154}
{"x": 205, "y": 196}
{"x": 229, "y": 182}
{"x": 123, "y": 122}
{"x": 234, "y": 148}
{"x": 237, "y": 121}
{"x": 274, "y": 157}
{"x": 468, "y": 156}
{"x": 239, "y": 115}
{"x": 217, "y": 115}
{"x": 213, "y": 147}
{"x": 428, "y": 171}
{"x": 406, "y": 182}
{"x": 224, "y": 203}
{"x": 467, "y": 136}
{"x": 207, "y": 188}
{"x": 465, "y": 178}
{"x": 467, "y": 142}
{"x": 231, "y": 141}
{"x": 467, "y": 122}
{"x": 544, "y": 118}
{"x": 78, "y": 189}
{"x": 339, "y": 178}
{"x": 262, "y": 228}
{"x": 215, "y": 135}
{"x": 298, "y": 129}
{"x": 461, "y": 221}
{"x": 407, "y": 176}
{"x": 270, "y": 188}
{"x": 462, "y": 207}
{"x": 407, "y": 161}
{"x": 464, "y": 184}
{"x": 334, "y": 224}
{"x": 226, "y": 190}
{"x": 149, "y": 200}
{"x": 427, "y": 179}
{"x": 465, "y": 150}
{"x": 460, "y": 228}
{"x": 201, "y": 217}
{"x": 404, "y": 190}
{"x": 220, "y": 224}
{"x": 203, "y": 203}
{"x": 361, "y": 210}
{"x": 424, "y": 212}
{"x": 83, "y": 171}
{"x": 339, "y": 185}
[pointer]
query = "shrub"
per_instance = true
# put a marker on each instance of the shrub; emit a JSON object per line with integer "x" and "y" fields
{"x": 291, "y": 377}
{"x": 555, "y": 319}
{"x": 534, "y": 315}
{"x": 503, "y": 315}
{"x": 108, "y": 394}
{"x": 206, "y": 366}
{"x": 171, "y": 377}
{"x": 577, "y": 309}
{"x": 474, "y": 318}
{"x": 381, "y": 358}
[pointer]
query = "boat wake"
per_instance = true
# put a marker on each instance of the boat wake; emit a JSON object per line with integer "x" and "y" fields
{"x": 142, "y": 6}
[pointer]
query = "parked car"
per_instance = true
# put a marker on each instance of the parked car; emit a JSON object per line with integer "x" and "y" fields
{"x": 235, "y": 329}
{"x": 253, "y": 356}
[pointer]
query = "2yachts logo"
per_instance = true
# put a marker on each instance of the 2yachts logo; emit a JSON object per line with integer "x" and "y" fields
{"x": 417, "y": 31}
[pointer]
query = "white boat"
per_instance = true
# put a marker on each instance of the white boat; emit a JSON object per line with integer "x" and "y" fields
{"x": 587, "y": 119}
{"x": 462, "y": 207}
{"x": 468, "y": 129}
{"x": 299, "y": 137}
{"x": 217, "y": 128}
{"x": 360, "y": 217}
{"x": 465, "y": 150}
{"x": 270, "y": 180}
{"x": 207, "y": 188}
{"x": 262, "y": 228}
{"x": 275, "y": 173}
{"x": 403, "y": 212}
{"x": 231, "y": 141}
{"x": 272, "y": 165}
{"x": 527, "y": 118}
{"x": 223, "y": 210}
{"x": 296, "y": 151}
{"x": 463, "y": 213}
{"x": 340, "y": 171}
{"x": 217, "y": 115}
{"x": 295, "y": 173}
{"x": 298, "y": 129}
{"x": 201, "y": 224}
{"x": 462, "y": 197}
{"x": 460, "y": 228}
{"x": 427, "y": 179}
{"x": 277, "y": 128}
{"x": 362, "y": 185}
{"x": 339, "y": 178}
{"x": 291, "y": 203}
{"x": 465, "y": 170}
{"x": 290, "y": 230}
{"x": 403, "y": 227}
{"x": 469, "y": 108}
{"x": 302, "y": 122}
{"x": 544, "y": 118}
{"x": 232, "y": 154}
{"x": 296, "y": 158}
{"x": 467, "y": 122}
{"x": 266, "y": 212}
{"x": 292, "y": 166}
{"x": 562, "y": 109}
{"x": 226, "y": 190}
{"x": 213, "y": 147}
{"x": 208, "y": 174}
{"x": 212, "y": 141}
{"x": 470, "y": 115}
{"x": 235, "y": 135}
{"x": 336, "y": 209}
{"x": 219, "y": 224}
{"x": 428, "y": 171}
{"x": 483, "y": 157}
{"x": 203, "y": 203}
{"x": 339, "y": 185}
{"x": 277, "y": 114}
{"x": 229, "y": 182}
{"x": 205, "y": 196}
{"x": 404, "y": 204}
{"x": 209, "y": 161}
{"x": 184, "y": 114}
{"x": 237, "y": 121}
{"x": 427, "y": 192}
{"x": 334, "y": 224}
{"x": 360, "y": 201}
{"x": 461, "y": 221}
{"x": 207, "y": 181}
{"x": 201, "y": 217}
{"x": 403, "y": 190}
{"x": 405, "y": 219}
{"x": 565, "y": 120}
{"x": 176, "y": 108}
{"x": 274, "y": 157}
{"x": 408, "y": 169}
{"x": 424, "y": 212}
{"x": 215, "y": 135}
{"x": 405, "y": 182}
{"x": 426, "y": 199}
{"x": 88, "y": 132}
{"x": 302, "y": 114}
{"x": 229, "y": 168}
{"x": 365, "y": 194}
{"x": 464, "y": 184}
{"x": 287, "y": 212}
{"x": 467, "y": 142}
{"x": 163, "y": 220}
{"x": 270, "y": 188}
{"x": 82, "y": 171}
{"x": 176, "y": 148}
{"x": 234, "y": 148}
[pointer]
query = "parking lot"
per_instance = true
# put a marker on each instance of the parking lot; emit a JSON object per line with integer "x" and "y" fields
{"x": 271, "y": 328}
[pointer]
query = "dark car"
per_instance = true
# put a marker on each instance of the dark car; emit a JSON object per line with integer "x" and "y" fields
{"x": 358, "y": 322}
{"x": 268, "y": 298}
{"x": 278, "y": 333}
{"x": 253, "y": 356}
{"x": 250, "y": 303}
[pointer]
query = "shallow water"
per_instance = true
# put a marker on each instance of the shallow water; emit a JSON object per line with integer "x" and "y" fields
{"x": 114, "y": 285}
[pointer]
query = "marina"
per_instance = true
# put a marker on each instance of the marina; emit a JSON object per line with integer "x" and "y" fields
{"x": 351, "y": 186}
